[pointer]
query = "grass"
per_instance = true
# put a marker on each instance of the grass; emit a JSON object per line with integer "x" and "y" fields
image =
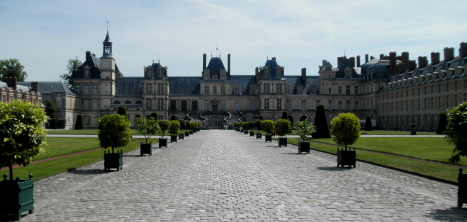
{"x": 53, "y": 167}
{"x": 384, "y": 132}
{"x": 443, "y": 172}
{"x": 63, "y": 146}
{"x": 83, "y": 132}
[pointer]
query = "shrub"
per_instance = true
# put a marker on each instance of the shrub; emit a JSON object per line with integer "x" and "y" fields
{"x": 245, "y": 125}
{"x": 155, "y": 116}
{"x": 285, "y": 115}
{"x": 368, "y": 125}
{"x": 173, "y": 117}
{"x": 257, "y": 124}
{"x": 251, "y": 125}
{"x": 346, "y": 129}
{"x": 147, "y": 127}
{"x": 21, "y": 132}
{"x": 193, "y": 125}
{"x": 182, "y": 124}
{"x": 457, "y": 131}
{"x": 305, "y": 129}
{"x": 261, "y": 118}
{"x": 443, "y": 123}
{"x": 282, "y": 127}
{"x": 114, "y": 131}
{"x": 174, "y": 127}
{"x": 79, "y": 122}
{"x": 164, "y": 125}
{"x": 321, "y": 123}
{"x": 122, "y": 111}
{"x": 268, "y": 126}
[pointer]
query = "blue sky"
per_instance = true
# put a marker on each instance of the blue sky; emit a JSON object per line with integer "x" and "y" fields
{"x": 43, "y": 35}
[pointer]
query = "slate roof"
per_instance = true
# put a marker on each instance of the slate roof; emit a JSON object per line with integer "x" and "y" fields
{"x": 93, "y": 62}
{"x": 48, "y": 87}
{"x": 215, "y": 65}
{"x": 155, "y": 66}
{"x": 244, "y": 81}
{"x": 187, "y": 85}
{"x": 344, "y": 64}
{"x": 295, "y": 81}
{"x": 129, "y": 86}
{"x": 107, "y": 37}
{"x": 18, "y": 86}
{"x": 272, "y": 64}
{"x": 379, "y": 69}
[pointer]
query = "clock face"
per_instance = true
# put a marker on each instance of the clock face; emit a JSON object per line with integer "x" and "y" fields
{"x": 106, "y": 64}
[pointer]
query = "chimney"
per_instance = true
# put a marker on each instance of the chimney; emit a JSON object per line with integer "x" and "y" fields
{"x": 93, "y": 55}
{"x": 228, "y": 66}
{"x": 412, "y": 65}
{"x": 463, "y": 49}
{"x": 352, "y": 61}
{"x": 358, "y": 61}
{"x": 372, "y": 57}
{"x": 304, "y": 76}
{"x": 10, "y": 81}
{"x": 274, "y": 58}
{"x": 405, "y": 57}
{"x": 402, "y": 67}
{"x": 366, "y": 58}
{"x": 448, "y": 54}
{"x": 434, "y": 58}
{"x": 88, "y": 53}
{"x": 339, "y": 59}
{"x": 204, "y": 61}
{"x": 257, "y": 74}
{"x": 35, "y": 86}
{"x": 392, "y": 63}
{"x": 422, "y": 62}
{"x": 381, "y": 56}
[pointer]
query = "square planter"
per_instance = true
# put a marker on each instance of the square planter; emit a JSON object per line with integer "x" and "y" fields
{"x": 268, "y": 138}
{"x": 413, "y": 132}
{"x": 462, "y": 188}
{"x": 245, "y": 132}
{"x": 173, "y": 138}
{"x": 17, "y": 196}
{"x": 252, "y": 134}
{"x": 181, "y": 136}
{"x": 283, "y": 141}
{"x": 191, "y": 132}
{"x": 303, "y": 147}
{"x": 113, "y": 160}
{"x": 163, "y": 142}
{"x": 241, "y": 131}
{"x": 187, "y": 134}
{"x": 145, "y": 148}
{"x": 258, "y": 136}
{"x": 346, "y": 157}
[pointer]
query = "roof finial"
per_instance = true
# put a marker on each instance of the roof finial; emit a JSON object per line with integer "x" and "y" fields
{"x": 159, "y": 60}
{"x": 267, "y": 57}
{"x": 107, "y": 25}
{"x": 344, "y": 52}
{"x": 211, "y": 53}
{"x": 152, "y": 60}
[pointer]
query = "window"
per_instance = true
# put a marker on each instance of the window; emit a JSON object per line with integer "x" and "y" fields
{"x": 266, "y": 104}
{"x": 252, "y": 105}
{"x": 148, "y": 89}
{"x": 340, "y": 105}
{"x": 86, "y": 121}
{"x": 329, "y": 90}
{"x": 128, "y": 102}
{"x": 402, "y": 106}
{"x": 184, "y": 105}
{"x": 432, "y": 103}
{"x": 206, "y": 76}
{"x": 223, "y": 90}
{"x": 266, "y": 88}
{"x": 94, "y": 89}
{"x": 447, "y": 102}
{"x": 237, "y": 105}
{"x": 279, "y": 104}
{"x": 287, "y": 90}
{"x": 299, "y": 90}
{"x": 86, "y": 90}
{"x": 173, "y": 105}
{"x": 432, "y": 89}
{"x": 340, "y": 90}
{"x": 318, "y": 102}
{"x": 148, "y": 104}
{"x": 347, "y": 90}
{"x": 329, "y": 76}
{"x": 356, "y": 105}
{"x": 266, "y": 72}
{"x": 222, "y": 105}
{"x": 425, "y": 104}
{"x": 33, "y": 100}
{"x": 289, "y": 105}
{"x": 413, "y": 105}
{"x": 347, "y": 104}
{"x": 78, "y": 88}
{"x": 206, "y": 105}
{"x": 160, "y": 89}
{"x": 455, "y": 100}
{"x": 214, "y": 90}
{"x": 413, "y": 92}
{"x": 439, "y": 88}
{"x": 160, "y": 72}
{"x": 447, "y": 87}
{"x": 397, "y": 107}
{"x": 419, "y": 105}
{"x": 424, "y": 90}
{"x": 418, "y": 91}
{"x": 303, "y": 105}
{"x": 356, "y": 89}
{"x": 440, "y": 102}
{"x": 85, "y": 104}
{"x": 222, "y": 75}
{"x": 194, "y": 105}
{"x": 278, "y": 88}
{"x": 117, "y": 102}
{"x": 94, "y": 105}
{"x": 160, "y": 104}
{"x": 206, "y": 90}
{"x": 330, "y": 104}
{"x": 87, "y": 73}
{"x": 237, "y": 90}
{"x": 455, "y": 86}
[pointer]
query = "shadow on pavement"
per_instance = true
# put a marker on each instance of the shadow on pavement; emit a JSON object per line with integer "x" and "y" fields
{"x": 449, "y": 214}
{"x": 88, "y": 172}
{"x": 334, "y": 168}
{"x": 128, "y": 155}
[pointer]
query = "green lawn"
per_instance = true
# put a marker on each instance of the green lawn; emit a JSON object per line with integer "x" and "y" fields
{"x": 83, "y": 132}
{"x": 428, "y": 148}
{"x": 439, "y": 171}
{"x": 62, "y": 146}
{"x": 384, "y": 132}
{"x": 52, "y": 167}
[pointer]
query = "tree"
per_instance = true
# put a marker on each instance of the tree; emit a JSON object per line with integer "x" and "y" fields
{"x": 268, "y": 126}
{"x": 155, "y": 116}
{"x": 122, "y": 111}
{"x": 285, "y": 115}
{"x": 305, "y": 129}
{"x": 257, "y": 124}
{"x": 183, "y": 125}
{"x": 346, "y": 129}
{"x": 456, "y": 131}
{"x": 321, "y": 123}
{"x": 164, "y": 125}
{"x": 21, "y": 132}
{"x": 11, "y": 67}
{"x": 67, "y": 78}
{"x": 173, "y": 117}
{"x": 147, "y": 127}
{"x": 261, "y": 118}
{"x": 174, "y": 127}
{"x": 282, "y": 127}
{"x": 368, "y": 125}
{"x": 245, "y": 125}
{"x": 443, "y": 122}
{"x": 114, "y": 131}
{"x": 79, "y": 123}
{"x": 49, "y": 107}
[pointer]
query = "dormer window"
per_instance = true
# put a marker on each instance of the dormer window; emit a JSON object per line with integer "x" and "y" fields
{"x": 148, "y": 73}
{"x": 206, "y": 75}
{"x": 252, "y": 89}
{"x": 78, "y": 89}
{"x": 87, "y": 72}
{"x": 160, "y": 73}
{"x": 299, "y": 90}
{"x": 237, "y": 90}
{"x": 279, "y": 72}
{"x": 329, "y": 76}
{"x": 287, "y": 90}
{"x": 222, "y": 76}
{"x": 348, "y": 73}
{"x": 266, "y": 72}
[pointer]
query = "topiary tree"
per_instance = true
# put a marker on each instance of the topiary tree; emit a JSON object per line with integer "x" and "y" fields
{"x": 79, "y": 123}
{"x": 114, "y": 131}
{"x": 245, "y": 125}
{"x": 285, "y": 115}
{"x": 283, "y": 126}
{"x": 193, "y": 125}
{"x": 155, "y": 116}
{"x": 49, "y": 107}
{"x": 443, "y": 123}
{"x": 183, "y": 125}
{"x": 174, "y": 127}
{"x": 122, "y": 111}
{"x": 346, "y": 129}
{"x": 268, "y": 126}
{"x": 257, "y": 124}
{"x": 173, "y": 117}
{"x": 251, "y": 125}
{"x": 21, "y": 132}
{"x": 147, "y": 127}
{"x": 321, "y": 123}
{"x": 261, "y": 118}
{"x": 304, "y": 129}
{"x": 456, "y": 131}
{"x": 164, "y": 125}
{"x": 368, "y": 125}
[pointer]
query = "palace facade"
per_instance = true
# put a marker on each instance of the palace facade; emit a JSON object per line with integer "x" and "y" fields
{"x": 393, "y": 90}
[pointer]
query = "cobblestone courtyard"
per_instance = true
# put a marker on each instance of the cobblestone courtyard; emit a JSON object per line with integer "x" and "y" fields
{"x": 220, "y": 175}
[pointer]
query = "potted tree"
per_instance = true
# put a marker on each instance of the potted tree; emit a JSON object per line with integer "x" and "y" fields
{"x": 282, "y": 127}
{"x": 456, "y": 133}
{"x": 413, "y": 131}
{"x": 268, "y": 126}
{"x": 22, "y": 136}
{"x": 346, "y": 131}
{"x": 193, "y": 126}
{"x": 305, "y": 129}
{"x": 443, "y": 122}
{"x": 182, "y": 127}
{"x": 251, "y": 125}
{"x": 114, "y": 131}
{"x": 186, "y": 132}
{"x": 188, "y": 127}
{"x": 245, "y": 126}
{"x": 321, "y": 123}
{"x": 258, "y": 127}
{"x": 164, "y": 125}
{"x": 122, "y": 111}
{"x": 173, "y": 130}
{"x": 147, "y": 128}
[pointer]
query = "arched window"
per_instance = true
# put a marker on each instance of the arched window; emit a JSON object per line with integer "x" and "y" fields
{"x": 127, "y": 102}
{"x": 117, "y": 102}
{"x": 139, "y": 102}
{"x": 254, "y": 118}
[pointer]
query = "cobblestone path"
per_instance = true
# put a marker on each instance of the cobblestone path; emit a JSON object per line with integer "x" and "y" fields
{"x": 220, "y": 175}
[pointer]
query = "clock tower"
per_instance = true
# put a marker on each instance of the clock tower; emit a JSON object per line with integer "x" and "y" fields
{"x": 107, "y": 68}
